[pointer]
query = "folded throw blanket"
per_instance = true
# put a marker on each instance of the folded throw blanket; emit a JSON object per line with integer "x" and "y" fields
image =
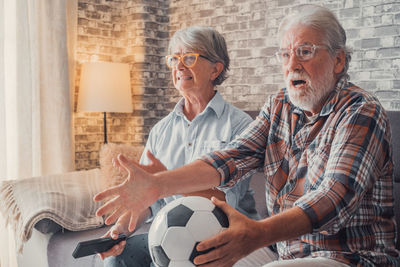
{"x": 64, "y": 198}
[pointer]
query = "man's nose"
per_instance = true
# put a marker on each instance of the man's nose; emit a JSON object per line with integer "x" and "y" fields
{"x": 294, "y": 63}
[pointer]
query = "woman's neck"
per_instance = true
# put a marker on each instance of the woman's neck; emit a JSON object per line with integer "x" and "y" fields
{"x": 195, "y": 104}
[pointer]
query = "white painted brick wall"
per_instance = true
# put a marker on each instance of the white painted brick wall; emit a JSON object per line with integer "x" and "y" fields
{"x": 137, "y": 32}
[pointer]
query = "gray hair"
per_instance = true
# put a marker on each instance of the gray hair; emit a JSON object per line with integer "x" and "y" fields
{"x": 324, "y": 21}
{"x": 207, "y": 41}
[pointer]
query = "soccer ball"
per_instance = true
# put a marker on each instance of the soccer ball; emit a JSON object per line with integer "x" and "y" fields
{"x": 180, "y": 226}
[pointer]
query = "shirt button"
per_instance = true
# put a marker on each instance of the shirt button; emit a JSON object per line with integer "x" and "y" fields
{"x": 189, "y": 144}
{"x": 276, "y": 208}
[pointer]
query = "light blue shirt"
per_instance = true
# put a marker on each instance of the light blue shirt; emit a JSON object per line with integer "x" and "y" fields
{"x": 176, "y": 141}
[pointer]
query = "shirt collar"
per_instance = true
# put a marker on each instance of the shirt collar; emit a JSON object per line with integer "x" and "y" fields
{"x": 333, "y": 98}
{"x": 216, "y": 103}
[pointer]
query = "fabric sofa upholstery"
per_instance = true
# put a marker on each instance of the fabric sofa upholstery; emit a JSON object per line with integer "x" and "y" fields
{"x": 394, "y": 119}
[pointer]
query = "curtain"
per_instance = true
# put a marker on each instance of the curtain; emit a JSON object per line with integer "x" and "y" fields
{"x": 35, "y": 96}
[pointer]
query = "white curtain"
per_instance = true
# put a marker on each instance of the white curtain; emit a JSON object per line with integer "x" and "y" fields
{"x": 35, "y": 97}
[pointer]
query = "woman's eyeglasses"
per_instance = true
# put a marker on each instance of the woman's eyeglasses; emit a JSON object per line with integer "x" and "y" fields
{"x": 188, "y": 60}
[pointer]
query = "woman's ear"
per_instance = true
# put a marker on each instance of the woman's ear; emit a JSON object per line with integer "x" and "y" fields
{"x": 340, "y": 61}
{"x": 217, "y": 69}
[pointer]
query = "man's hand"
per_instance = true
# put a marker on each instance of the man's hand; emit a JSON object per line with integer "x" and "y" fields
{"x": 236, "y": 242}
{"x": 130, "y": 198}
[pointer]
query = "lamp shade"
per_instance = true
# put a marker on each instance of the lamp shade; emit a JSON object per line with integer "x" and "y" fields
{"x": 105, "y": 87}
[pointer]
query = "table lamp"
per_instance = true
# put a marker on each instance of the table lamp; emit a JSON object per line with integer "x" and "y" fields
{"x": 105, "y": 87}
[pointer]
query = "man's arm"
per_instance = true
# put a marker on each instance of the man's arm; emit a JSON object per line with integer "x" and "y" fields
{"x": 195, "y": 176}
{"x": 156, "y": 165}
{"x": 141, "y": 188}
{"x": 209, "y": 193}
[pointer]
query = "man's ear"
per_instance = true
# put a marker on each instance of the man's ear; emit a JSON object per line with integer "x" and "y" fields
{"x": 340, "y": 61}
{"x": 217, "y": 69}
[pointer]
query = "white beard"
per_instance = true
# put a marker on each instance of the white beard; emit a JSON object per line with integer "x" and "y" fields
{"x": 315, "y": 93}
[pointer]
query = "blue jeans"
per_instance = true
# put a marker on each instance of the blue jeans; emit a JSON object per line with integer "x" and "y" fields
{"x": 135, "y": 254}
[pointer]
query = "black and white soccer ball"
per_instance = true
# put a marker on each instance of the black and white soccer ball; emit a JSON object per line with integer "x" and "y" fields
{"x": 180, "y": 226}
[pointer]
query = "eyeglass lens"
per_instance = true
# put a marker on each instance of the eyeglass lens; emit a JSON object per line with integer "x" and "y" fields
{"x": 188, "y": 60}
{"x": 303, "y": 53}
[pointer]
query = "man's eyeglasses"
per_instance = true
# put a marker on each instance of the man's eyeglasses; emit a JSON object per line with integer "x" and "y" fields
{"x": 188, "y": 60}
{"x": 302, "y": 52}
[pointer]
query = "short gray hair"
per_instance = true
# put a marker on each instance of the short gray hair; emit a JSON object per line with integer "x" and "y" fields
{"x": 324, "y": 21}
{"x": 206, "y": 40}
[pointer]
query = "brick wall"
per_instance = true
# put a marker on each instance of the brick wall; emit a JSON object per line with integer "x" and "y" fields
{"x": 137, "y": 32}
{"x": 250, "y": 27}
{"x": 133, "y": 32}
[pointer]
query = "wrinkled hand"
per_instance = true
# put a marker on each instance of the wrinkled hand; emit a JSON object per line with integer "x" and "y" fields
{"x": 155, "y": 164}
{"x": 236, "y": 242}
{"x": 131, "y": 197}
{"x": 120, "y": 227}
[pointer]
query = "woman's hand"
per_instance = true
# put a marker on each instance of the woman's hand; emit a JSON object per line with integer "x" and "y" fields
{"x": 240, "y": 239}
{"x": 155, "y": 164}
{"x": 130, "y": 198}
{"x": 121, "y": 227}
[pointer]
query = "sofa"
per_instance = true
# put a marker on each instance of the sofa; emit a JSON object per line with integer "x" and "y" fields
{"x": 56, "y": 249}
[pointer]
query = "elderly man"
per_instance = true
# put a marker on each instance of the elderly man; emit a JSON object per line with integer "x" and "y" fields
{"x": 325, "y": 148}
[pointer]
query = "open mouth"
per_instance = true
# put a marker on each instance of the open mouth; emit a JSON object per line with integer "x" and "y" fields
{"x": 298, "y": 82}
{"x": 185, "y": 78}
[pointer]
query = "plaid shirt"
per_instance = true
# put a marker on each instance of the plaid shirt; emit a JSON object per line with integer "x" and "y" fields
{"x": 337, "y": 168}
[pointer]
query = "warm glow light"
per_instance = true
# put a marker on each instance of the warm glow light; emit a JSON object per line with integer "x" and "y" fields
{"x": 105, "y": 87}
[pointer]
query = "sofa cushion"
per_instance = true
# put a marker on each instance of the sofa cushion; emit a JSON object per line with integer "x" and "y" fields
{"x": 394, "y": 119}
{"x": 47, "y": 226}
{"x": 66, "y": 199}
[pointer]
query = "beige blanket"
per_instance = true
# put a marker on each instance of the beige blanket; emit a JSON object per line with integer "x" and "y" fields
{"x": 65, "y": 198}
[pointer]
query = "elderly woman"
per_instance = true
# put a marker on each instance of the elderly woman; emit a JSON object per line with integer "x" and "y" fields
{"x": 202, "y": 121}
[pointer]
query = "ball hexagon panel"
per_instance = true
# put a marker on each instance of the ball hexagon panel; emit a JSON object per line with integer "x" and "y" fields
{"x": 160, "y": 258}
{"x": 221, "y": 217}
{"x": 198, "y": 221}
{"x": 196, "y": 253}
{"x": 157, "y": 229}
{"x": 172, "y": 205}
{"x": 198, "y": 203}
{"x": 178, "y": 243}
{"x": 179, "y": 216}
